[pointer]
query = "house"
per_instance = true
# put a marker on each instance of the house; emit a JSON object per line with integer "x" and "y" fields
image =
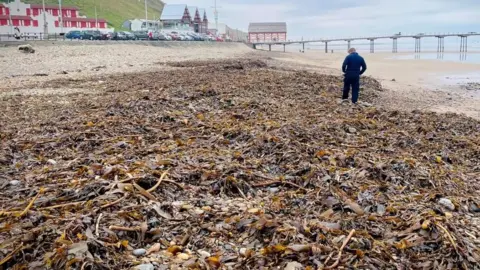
{"x": 176, "y": 17}
{"x": 196, "y": 19}
{"x": 143, "y": 25}
{"x": 31, "y": 19}
{"x": 267, "y": 32}
{"x": 203, "y": 16}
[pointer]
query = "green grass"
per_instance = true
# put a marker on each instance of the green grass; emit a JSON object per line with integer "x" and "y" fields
{"x": 114, "y": 11}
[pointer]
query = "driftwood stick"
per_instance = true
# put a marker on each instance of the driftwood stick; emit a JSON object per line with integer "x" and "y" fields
{"x": 115, "y": 202}
{"x": 345, "y": 242}
{"x": 145, "y": 193}
{"x": 125, "y": 229}
{"x": 159, "y": 182}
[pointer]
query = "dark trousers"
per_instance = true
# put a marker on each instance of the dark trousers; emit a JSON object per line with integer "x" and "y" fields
{"x": 354, "y": 82}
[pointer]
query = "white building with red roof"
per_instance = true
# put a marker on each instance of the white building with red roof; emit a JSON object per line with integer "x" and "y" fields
{"x": 31, "y": 19}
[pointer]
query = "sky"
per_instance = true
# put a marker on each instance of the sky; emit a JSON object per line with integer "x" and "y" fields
{"x": 348, "y": 18}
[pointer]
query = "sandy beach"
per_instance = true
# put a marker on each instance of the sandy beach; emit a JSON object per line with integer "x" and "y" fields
{"x": 409, "y": 84}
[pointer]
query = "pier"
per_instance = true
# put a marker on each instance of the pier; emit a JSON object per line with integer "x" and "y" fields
{"x": 418, "y": 41}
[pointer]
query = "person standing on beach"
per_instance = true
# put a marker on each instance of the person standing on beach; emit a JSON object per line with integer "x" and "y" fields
{"x": 353, "y": 66}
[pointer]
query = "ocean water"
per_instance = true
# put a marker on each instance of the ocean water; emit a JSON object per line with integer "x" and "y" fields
{"x": 473, "y": 58}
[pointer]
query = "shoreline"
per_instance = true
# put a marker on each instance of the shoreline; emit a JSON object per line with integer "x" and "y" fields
{"x": 410, "y": 84}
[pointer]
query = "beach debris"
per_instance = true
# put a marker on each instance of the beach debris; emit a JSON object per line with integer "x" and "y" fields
{"x": 147, "y": 266}
{"x": 15, "y": 182}
{"x": 393, "y": 80}
{"x": 139, "y": 252}
{"x": 447, "y": 203}
{"x": 26, "y": 48}
{"x": 98, "y": 68}
{"x": 233, "y": 168}
{"x": 293, "y": 266}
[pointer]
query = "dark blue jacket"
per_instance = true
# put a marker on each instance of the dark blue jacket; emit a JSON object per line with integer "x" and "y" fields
{"x": 352, "y": 64}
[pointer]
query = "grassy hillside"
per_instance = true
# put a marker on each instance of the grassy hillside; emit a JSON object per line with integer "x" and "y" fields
{"x": 114, "y": 11}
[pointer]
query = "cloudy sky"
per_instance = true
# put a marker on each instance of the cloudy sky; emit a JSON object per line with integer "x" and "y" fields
{"x": 340, "y": 18}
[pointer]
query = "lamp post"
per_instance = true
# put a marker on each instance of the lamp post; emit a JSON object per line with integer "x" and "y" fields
{"x": 146, "y": 15}
{"x": 61, "y": 15}
{"x": 10, "y": 17}
{"x": 45, "y": 24}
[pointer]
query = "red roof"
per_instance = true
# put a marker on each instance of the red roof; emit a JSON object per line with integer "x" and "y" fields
{"x": 16, "y": 17}
{"x": 70, "y": 19}
{"x": 53, "y": 7}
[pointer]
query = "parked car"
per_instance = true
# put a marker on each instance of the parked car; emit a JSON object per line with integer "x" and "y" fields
{"x": 206, "y": 37}
{"x": 107, "y": 36}
{"x": 74, "y": 34}
{"x": 119, "y": 36}
{"x": 175, "y": 36}
{"x": 162, "y": 36}
{"x": 167, "y": 37}
{"x": 141, "y": 35}
{"x": 186, "y": 37}
{"x": 130, "y": 36}
{"x": 195, "y": 36}
{"x": 219, "y": 39}
{"x": 91, "y": 35}
{"x": 154, "y": 35}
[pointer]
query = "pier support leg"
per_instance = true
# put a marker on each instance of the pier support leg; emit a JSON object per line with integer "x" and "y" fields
{"x": 303, "y": 44}
{"x": 326, "y": 47}
{"x": 417, "y": 45}
{"x": 441, "y": 45}
{"x": 372, "y": 45}
{"x": 395, "y": 45}
{"x": 283, "y": 47}
{"x": 349, "y": 43}
{"x": 463, "y": 44}
{"x": 254, "y": 46}
{"x": 269, "y": 47}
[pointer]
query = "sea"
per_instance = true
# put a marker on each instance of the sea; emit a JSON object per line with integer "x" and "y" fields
{"x": 405, "y": 47}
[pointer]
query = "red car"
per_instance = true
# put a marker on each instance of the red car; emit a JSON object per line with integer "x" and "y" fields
{"x": 219, "y": 39}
